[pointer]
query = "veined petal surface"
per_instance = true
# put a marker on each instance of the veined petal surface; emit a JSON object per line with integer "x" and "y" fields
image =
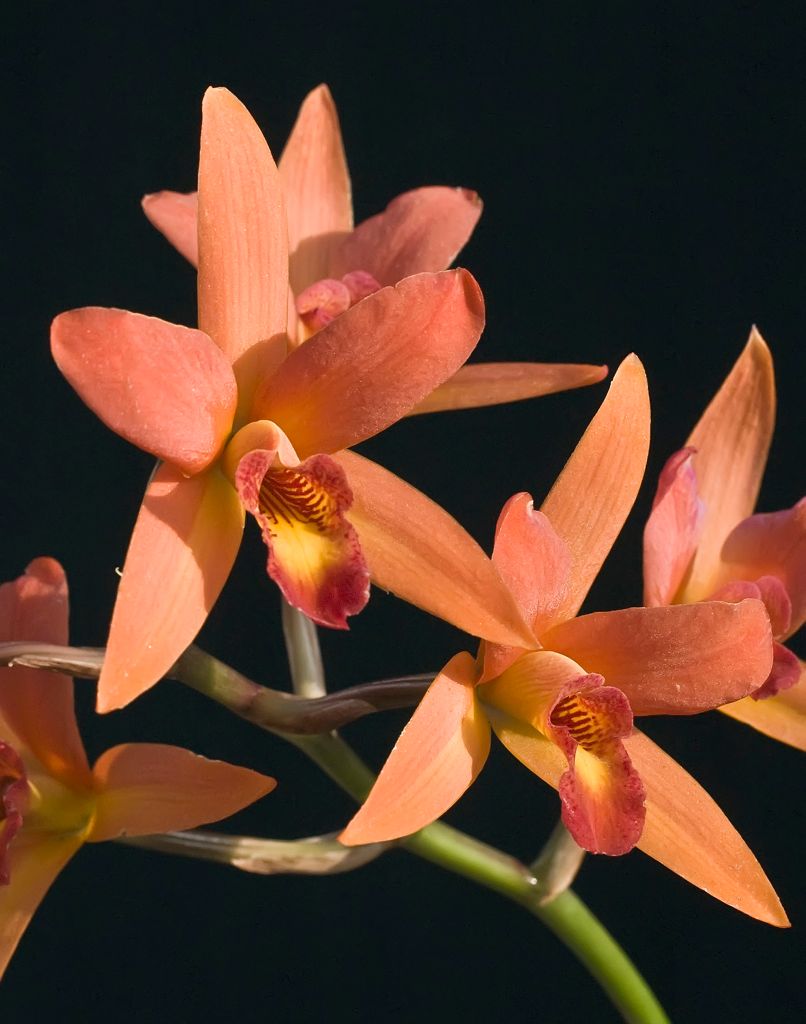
{"x": 182, "y": 549}
{"x": 419, "y": 231}
{"x": 316, "y": 185}
{"x": 165, "y": 388}
{"x": 145, "y": 788}
{"x": 415, "y": 549}
{"x": 481, "y": 384}
{"x": 243, "y": 242}
{"x": 594, "y": 493}
{"x": 175, "y": 215}
{"x": 732, "y": 440}
{"x": 437, "y": 757}
{"x": 36, "y": 704}
{"x": 369, "y": 366}
{"x": 676, "y": 660}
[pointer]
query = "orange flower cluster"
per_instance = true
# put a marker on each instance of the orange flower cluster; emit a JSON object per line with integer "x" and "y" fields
{"x": 314, "y": 335}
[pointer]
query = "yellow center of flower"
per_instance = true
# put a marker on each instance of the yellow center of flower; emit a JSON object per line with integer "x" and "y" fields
{"x": 584, "y": 724}
{"x": 288, "y": 498}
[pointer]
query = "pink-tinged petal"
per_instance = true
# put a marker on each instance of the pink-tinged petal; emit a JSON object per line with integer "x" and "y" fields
{"x": 483, "y": 384}
{"x": 322, "y": 302}
{"x": 673, "y": 529}
{"x": 316, "y": 184}
{"x": 367, "y": 368}
{"x": 534, "y": 561}
{"x": 165, "y": 388}
{"x": 678, "y": 660}
{"x": 36, "y": 860}
{"x": 146, "y": 788}
{"x": 782, "y": 717}
{"x": 772, "y": 544}
{"x": 595, "y": 491}
{"x": 732, "y": 439}
{"x": 415, "y": 549}
{"x": 686, "y": 831}
{"x": 174, "y": 214}
{"x": 419, "y": 231}
{"x": 184, "y": 543}
{"x": 437, "y": 757}
{"x": 243, "y": 242}
{"x": 785, "y": 673}
{"x": 314, "y": 552}
{"x": 36, "y": 704}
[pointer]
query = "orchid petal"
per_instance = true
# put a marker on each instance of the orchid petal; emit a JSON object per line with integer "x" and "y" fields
{"x": 415, "y": 549}
{"x": 35, "y": 703}
{"x": 482, "y": 384}
{"x": 687, "y": 831}
{"x": 370, "y": 365}
{"x": 316, "y": 184}
{"x": 174, "y": 215}
{"x": 36, "y": 860}
{"x": 772, "y": 544}
{"x": 184, "y": 543}
{"x": 592, "y": 496}
{"x": 732, "y": 439}
{"x": 676, "y": 660}
{"x": 165, "y": 388}
{"x": 782, "y": 717}
{"x": 530, "y": 687}
{"x": 145, "y": 788}
{"x": 243, "y": 245}
{"x": 672, "y": 530}
{"x": 421, "y": 231}
{"x": 437, "y": 757}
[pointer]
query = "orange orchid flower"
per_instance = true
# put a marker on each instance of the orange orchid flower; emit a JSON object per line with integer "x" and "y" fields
{"x": 565, "y": 706}
{"x": 701, "y": 540}
{"x": 241, "y": 424}
{"x": 332, "y": 265}
{"x": 51, "y": 801}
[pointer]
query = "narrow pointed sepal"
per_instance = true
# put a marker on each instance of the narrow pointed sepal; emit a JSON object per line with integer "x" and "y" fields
{"x": 146, "y": 788}
{"x": 782, "y": 718}
{"x": 182, "y": 549}
{"x": 483, "y": 384}
{"x": 174, "y": 215}
{"x": 437, "y": 757}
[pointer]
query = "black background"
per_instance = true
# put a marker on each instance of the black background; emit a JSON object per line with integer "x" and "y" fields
{"x": 643, "y": 173}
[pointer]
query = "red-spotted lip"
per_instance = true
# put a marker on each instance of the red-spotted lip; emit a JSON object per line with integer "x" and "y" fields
{"x": 13, "y": 803}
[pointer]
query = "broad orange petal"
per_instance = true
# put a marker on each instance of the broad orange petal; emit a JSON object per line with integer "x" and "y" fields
{"x": 483, "y": 384}
{"x": 37, "y": 704}
{"x": 676, "y": 660}
{"x": 36, "y": 860}
{"x": 782, "y": 717}
{"x": 165, "y": 388}
{"x": 174, "y": 214}
{"x": 415, "y": 549}
{"x": 316, "y": 185}
{"x": 419, "y": 231}
{"x": 243, "y": 242}
{"x": 370, "y": 365}
{"x": 686, "y": 831}
{"x": 184, "y": 543}
{"x": 732, "y": 439}
{"x": 437, "y": 757}
{"x": 594, "y": 493}
{"x": 146, "y": 788}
